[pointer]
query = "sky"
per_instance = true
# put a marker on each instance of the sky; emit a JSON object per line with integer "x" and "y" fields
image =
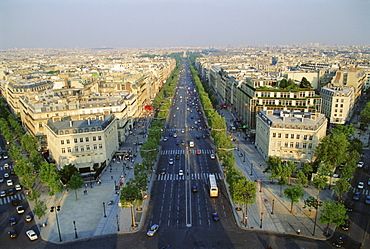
{"x": 177, "y": 23}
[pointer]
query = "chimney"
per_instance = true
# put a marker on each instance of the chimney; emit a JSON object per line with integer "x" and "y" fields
{"x": 88, "y": 121}
{"x": 70, "y": 123}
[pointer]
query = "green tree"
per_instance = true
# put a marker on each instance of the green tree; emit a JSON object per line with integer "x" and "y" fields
{"x": 35, "y": 159}
{"x": 244, "y": 192}
{"x": 131, "y": 196}
{"x": 272, "y": 163}
{"x": 365, "y": 114}
{"x": 305, "y": 83}
{"x": 293, "y": 194}
{"x": 75, "y": 183}
{"x": 50, "y": 176}
{"x": 301, "y": 180}
{"x": 341, "y": 186}
{"x": 40, "y": 209}
{"x": 333, "y": 212}
{"x": 312, "y": 202}
{"x": 332, "y": 149}
{"x": 67, "y": 171}
{"x": 28, "y": 142}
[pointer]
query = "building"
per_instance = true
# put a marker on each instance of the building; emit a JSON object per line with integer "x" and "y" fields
{"x": 88, "y": 144}
{"x": 338, "y": 103}
{"x": 291, "y": 136}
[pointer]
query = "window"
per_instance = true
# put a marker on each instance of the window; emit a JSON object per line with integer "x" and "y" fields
{"x": 61, "y": 133}
{"x": 66, "y": 132}
{"x": 291, "y": 144}
{"x": 310, "y": 145}
{"x": 87, "y": 139}
{"x": 76, "y": 148}
{"x": 304, "y": 145}
{"x": 81, "y": 140}
{"x": 297, "y": 145}
{"x": 99, "y": 137}
{"x": 69, "y": 149}
{"x": 94, "y": 138}
{"x": 298, "y": 136}
{"x": 100, "y": 146}
{"x": 76, "y": 140}
{"x": 86, "y": 129}
{"x": 291, "y": 135}
{"x": 279, "y": 143}
{"x": 305, "y": 137}
{"x": 82, "y": 148}
{"x": 61, "y": 141}
{"x": 311, "y": 137}
{"x": 273, "y": 134}
{"x": 279, "y": 135}
{"x": 95, "y": 146}
{"x": 87, "y": 147}
{"x": 286, "y": 144}
{"x": 286, "y": 135}
{"x": 63, "y": 150}
{"x": 68, "y": 141}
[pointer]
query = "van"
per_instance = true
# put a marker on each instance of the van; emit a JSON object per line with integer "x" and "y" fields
{"x": 191, "y": 144}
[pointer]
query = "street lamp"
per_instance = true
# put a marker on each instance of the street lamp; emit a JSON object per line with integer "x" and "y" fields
{"x": 260, "y": 185}
{"x": 117, "y": 223}
{"x": 74, "y": 224}
{"x": 261, "y": 219}
{"x": 238, "y": 145}
{"x": 105, "y": 215}
{"x": 251, "y": 169}
{"x": 273, "y": 202}
{"x": 57, "y": 209}
{"x": 244, "y": 157}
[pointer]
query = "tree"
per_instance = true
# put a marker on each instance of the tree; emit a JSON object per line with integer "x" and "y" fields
{"x": 75, "y": 183}
{"x": 293, "y": 194}
{"x": 312, "y": 202}
{"x": 301, "y": 180}
{"x": 28, "y": 142}
{"x": 341, "y": 186}
{"x": 332, "y": 149}
{"x": 50, "y": 176}
{"x": 272, "y": 163}
{"x": 40, "y": 209}
{"x": 67, "y": 171}
{"x": 365, "y": 114}
{"x": 131, "y": 196}
{"x": 35, "y": 159}
{"x": 245, "y": 191}
{"x": 333, "y": 212}
{"x": 305, "y": 83}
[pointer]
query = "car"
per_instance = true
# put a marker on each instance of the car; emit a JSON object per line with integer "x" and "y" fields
{"x": 345, "y": 227}
{"x": 174, "y": 115}
{"x": 170, "y": 134}
{"x": 204, "y": 136}
{"x": 28, "y": 218}
{"x": 182, "y": 142}
{"x": 6, "y": 166}
{"x": 163, "y": 171}
{"x": 31, "y": 235}
{"x": 356, "y": 245}
{"x": 10, "y": 191}
{"x": 177, "y": 156}
{"x": 175, "y": 125}
{"x": 351, "y": 207}
{"x": 215, "y": 216}
{"x": 181, "y": 172}
{"x": 9, "y": 183}
{"x": 12, "y": 172}
{"x": 368, "y": 182}
{"x": 366, "y": 168}
{"x": 198, "y": 152}
{"x": 5, "y": 156}
{"x": 15, "y": 202}
{"x": 1, "y": 179}
{"x": 6, "y": 175}
{"x": 360, "y": 164}
{"x": 12, "y": 234}
{"x": 20, "y": 209}
{"x": 340, "y": 241}
{"x": 170, "y": 161}
{"x": 2, "y": 193}
{"x": 175, "y": 135}
{"x": 153, "y": 229}
{"x": 12, "y": 222}
{"x": 182, "y": 131}
{"x": 165, "y": 139}
{"x": 356, "y": 196}
{"x": 212, "y": 156}
{"x": 361, "y": 185}
{"x": 367, "y": 201}
{"x": 18, "y": 187}
{"x": 197, "y": 137}
{"x": 194, "y": 189}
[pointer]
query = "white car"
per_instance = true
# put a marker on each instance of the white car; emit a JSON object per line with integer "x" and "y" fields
{"x": 6, "y": 175}
{"x": 18, "y": 187}
{"x": 360, "y": 164}
{"x": 213, "y": 156}
{"x": 181, "y": 172}
{"x": 9, "y": 183}
{"x": 20, "y": 209}
{"x": 31, "y": 235}
{"x": 361, "y": 185}
{"x": 6, "y": 166}
{"x": 153, "y": 229}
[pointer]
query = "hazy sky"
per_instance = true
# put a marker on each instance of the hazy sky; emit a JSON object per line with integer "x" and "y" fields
{"x": 164, "y": 23}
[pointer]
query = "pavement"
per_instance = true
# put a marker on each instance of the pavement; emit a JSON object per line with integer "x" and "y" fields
{"x": 90, "y": 214}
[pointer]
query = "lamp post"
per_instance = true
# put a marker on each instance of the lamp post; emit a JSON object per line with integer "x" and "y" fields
{"x": 105, "y": 215}
{"x": 74, "y": 224}
{"x": 260, "y": 185}
{"x": 261, "y": 219}
{"x": 251, "y": 169}
{"x": 117, "y": 223}
{"x": 244, "y": 157}
{"x": 238, "y": 145}
{"x": 273, "y": 202}
{"x": 57, "y": 209}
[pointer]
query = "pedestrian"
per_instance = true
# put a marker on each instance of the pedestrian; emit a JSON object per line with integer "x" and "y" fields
{"x": 298, "y": 231}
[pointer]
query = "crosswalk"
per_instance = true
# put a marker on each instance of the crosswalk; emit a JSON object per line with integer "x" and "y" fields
{"x": 362, "y": 191}
{"x": 193, "y": 176}
{"x": 8, "y": 199}
{"x": 174, "y": 152}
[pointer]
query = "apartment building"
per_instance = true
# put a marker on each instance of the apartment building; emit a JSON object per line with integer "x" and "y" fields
{"x": 355, "y": 77}
{"x": 291, "y": 136}
{"x": 338, "y": 103}
{"x": 88, "y": 144}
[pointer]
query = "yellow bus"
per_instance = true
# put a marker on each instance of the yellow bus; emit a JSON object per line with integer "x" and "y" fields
{"x": 213, "y": 190}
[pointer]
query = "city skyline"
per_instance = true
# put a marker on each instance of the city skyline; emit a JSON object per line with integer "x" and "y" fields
{"x": 176, "y": 23}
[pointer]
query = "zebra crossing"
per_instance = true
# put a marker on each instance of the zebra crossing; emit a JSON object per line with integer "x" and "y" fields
{"x": 173, "y": 152}
{"x": 8, "y": 199}
{"x": 362, "y": 191}
{"x": 193, "y": 176}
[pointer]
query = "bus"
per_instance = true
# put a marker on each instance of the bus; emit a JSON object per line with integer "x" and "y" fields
{"x": 213, "y": 190}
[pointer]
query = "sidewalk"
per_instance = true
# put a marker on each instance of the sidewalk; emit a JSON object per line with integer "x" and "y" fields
{"x": 91, "y": 215}
{"x": 270, "y": 211}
